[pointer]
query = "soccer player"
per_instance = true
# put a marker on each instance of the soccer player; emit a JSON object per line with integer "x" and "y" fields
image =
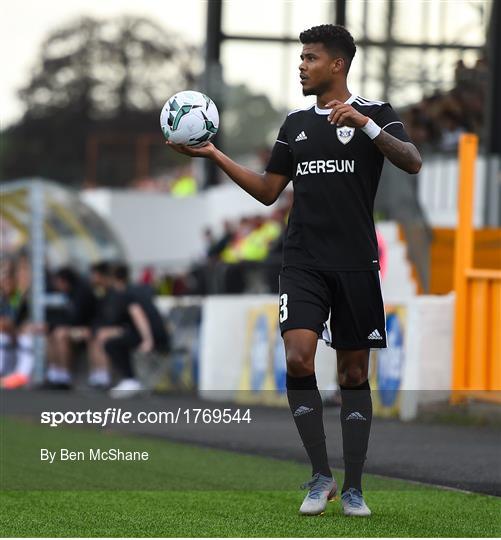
{"x": 333, "y": 151}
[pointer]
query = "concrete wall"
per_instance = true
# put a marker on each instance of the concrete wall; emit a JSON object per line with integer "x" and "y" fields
{"x": 156, "y": 228}
{"x": 230, "y": 350}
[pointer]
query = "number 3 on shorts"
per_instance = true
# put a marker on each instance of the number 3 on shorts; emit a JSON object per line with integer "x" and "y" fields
{"x": 284, "y": 312}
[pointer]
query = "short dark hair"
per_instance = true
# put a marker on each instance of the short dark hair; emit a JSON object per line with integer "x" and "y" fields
{"x": 102, "y": 268}
{"x": 121, "y": 272}
{"x": 335, "y": 38}
{"x": 67, "y": 274}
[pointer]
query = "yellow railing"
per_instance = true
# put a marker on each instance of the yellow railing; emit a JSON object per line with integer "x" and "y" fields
{"x": 477, "y": 321}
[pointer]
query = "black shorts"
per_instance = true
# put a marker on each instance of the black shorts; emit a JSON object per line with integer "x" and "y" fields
{"x": 353, "y": 298}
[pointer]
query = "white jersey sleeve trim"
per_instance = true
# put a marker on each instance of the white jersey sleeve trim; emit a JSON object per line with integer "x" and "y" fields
{"x": 299, "y": 110}
{"x": 362, "y": 101}
{"x": 282, "y": 142}
{"x": 367, "y": 104}
{"x": 395, "y": 122}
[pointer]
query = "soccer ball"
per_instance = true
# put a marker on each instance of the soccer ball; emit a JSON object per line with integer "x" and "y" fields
{"x": 189, "y": 118}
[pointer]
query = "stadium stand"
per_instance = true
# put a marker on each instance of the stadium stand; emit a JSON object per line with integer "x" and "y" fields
{"x": 437, "y": 121}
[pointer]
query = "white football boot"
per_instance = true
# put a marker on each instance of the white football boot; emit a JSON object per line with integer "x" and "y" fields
{"x": 354, "y": 504}
{"x": 321, "y": 489}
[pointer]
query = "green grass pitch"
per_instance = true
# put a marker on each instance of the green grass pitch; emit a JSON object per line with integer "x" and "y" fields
{"x": 190, "y": 491}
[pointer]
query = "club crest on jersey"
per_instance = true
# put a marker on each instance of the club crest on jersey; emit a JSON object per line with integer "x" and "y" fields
{"x": 345, "y": 134}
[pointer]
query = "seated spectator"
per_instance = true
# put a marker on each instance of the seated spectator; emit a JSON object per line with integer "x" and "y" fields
{"x": 106, "y": 323}
{"x": 69, "y": 326}
{"x": 451, "y": 131}
{"x": 148, "y": 277}
{"x": 221, "y": 243}
{"x": 185, "y": 184}
{"x": 209, "y": 242}
{"x": 16, "y": 332}
{"x": 9, "y": 302}
{"x": 165, "y": 285}
{"x": 140, "y": 327}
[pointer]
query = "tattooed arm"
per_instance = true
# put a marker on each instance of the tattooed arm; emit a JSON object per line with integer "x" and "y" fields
{"x": 402, "y": 154}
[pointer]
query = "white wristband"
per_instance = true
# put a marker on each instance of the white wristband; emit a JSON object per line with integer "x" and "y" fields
{"x": 371, "y": 129}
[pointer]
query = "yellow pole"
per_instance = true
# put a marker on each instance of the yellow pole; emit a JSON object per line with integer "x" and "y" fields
{"x": 463, "y": 258}
{"x": 494, "y": 369}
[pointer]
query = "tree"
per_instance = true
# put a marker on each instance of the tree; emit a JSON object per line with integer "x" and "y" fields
{"x": 108, "y": 68}
{"x": 250, "y": 120}
{"x": 92, "y": 77}
{"x": 110, "y": 78}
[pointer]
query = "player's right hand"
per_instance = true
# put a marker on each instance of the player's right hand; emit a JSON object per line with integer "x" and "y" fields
{"x": 200, "y": 151}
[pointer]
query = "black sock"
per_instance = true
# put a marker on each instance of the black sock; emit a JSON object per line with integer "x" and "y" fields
{"x": 306, "y": 406}
{"x": 356, "y": 417}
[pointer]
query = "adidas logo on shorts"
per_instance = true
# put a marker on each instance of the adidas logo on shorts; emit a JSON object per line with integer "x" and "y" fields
{"x": 301, "y": 137}
{"x": 302, "y": 410}
{"x": 356, "y": 416}
{"x": 375, "y": 335}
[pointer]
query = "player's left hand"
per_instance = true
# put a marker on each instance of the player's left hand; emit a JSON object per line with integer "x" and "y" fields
{"x": 343, "y": 114}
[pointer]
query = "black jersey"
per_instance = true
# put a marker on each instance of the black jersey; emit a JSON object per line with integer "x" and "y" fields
{"x": 335, "y": 172}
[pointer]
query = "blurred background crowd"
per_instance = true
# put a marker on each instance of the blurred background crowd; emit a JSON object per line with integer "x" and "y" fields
{"x": 98, "y": 319}
{"x": 436, "y": 122}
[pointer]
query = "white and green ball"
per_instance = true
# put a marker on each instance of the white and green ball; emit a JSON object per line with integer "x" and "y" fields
{"x": 189, "y": 118}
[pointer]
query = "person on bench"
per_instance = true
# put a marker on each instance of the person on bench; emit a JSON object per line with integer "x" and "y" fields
{"x": 142, "y": 329}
